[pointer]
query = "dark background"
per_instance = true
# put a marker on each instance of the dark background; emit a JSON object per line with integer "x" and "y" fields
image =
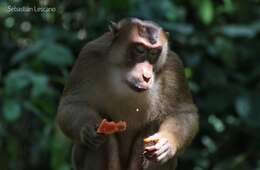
{"x": 218, "y": 40}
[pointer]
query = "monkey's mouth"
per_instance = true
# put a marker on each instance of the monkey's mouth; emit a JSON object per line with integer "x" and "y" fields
{"x": 138, "y": 86}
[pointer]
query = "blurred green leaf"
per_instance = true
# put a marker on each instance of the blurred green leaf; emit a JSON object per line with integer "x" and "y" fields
{"x": 206, "y": 11}
{"x": 229, "y": 6}
{"x": 53, "y": 34}
{"x": 203, "y": 163}
{"x": 17, "y": 80}
{"x": 11, "y": 110}
{"x": 243, "y": 105}
{"x": 37, "y": 111}
{"x": 215, "y": 75}
{"x": 58, "y": 143}
{"x": 169, "y": 10}
{"x": 232, "y": 120}
{"x": 56, "y": 55}
{"x": 209, "y": 143}
{"x": 181, "y": 28}
{"x": 216, "y": 123}
{"x": 40, "y": 84}
{"x": 193, "y": 87}
{"x": 239, "y": 31}
{"x": 248, "y": 108}
{"x": 3, "y": 9}
{"x": 9, "y": 22}
{"x": 232, "y": 163}
{"x": 188, "y": 72}
{"x": 33, "y": 49}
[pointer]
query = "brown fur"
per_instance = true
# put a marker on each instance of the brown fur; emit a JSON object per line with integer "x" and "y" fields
{"x": 94, "y": 91}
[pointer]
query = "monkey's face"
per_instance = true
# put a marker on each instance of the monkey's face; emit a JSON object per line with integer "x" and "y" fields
{"x": 141, "y": 48}
{"x": 141, "y": 61}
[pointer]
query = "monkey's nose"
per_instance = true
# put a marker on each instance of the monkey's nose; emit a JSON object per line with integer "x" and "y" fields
{"x": 146, "y": 78}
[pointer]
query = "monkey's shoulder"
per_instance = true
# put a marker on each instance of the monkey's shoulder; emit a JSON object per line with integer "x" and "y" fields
{"x": 90, "y": 56}
{"x": 173, "y": 81}
{"x": 174, "y": 62}
{"x": 85, "y": 68}
{"x": 173, "y": 70}
{"x": 97, "y": 47}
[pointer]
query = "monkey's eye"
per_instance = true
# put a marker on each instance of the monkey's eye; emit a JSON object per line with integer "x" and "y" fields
{"x": 154, "y": 54}
{"x": 140, "y": 49}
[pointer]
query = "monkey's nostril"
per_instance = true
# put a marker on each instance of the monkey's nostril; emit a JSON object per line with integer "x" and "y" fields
{"x": 146, "y": 78}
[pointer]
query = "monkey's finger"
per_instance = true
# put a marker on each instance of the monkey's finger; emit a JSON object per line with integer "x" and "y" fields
{"x": 163, "y": 157}
{"x": 149, "y": 156}
{"x": 157, "y": 146}
{"x": 163, "y": 149}
{"x": 150, "y": 148}
{"x": 90, "y": 139}
{"x": 88, "y": 132}
{"x": 160, "y": 143}
{"x": 99, "y": 137}
{"x": 85, "y": 136}
{"x": 157, "y": 149}
{"x": 90, "y": 144}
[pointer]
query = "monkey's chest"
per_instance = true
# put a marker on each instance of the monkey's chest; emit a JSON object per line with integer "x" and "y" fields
{"x": 134, "y": 113}
{"x": 132, "y": 109}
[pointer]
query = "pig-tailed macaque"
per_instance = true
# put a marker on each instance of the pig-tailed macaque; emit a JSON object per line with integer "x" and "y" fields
{"x": 128, "y": 74}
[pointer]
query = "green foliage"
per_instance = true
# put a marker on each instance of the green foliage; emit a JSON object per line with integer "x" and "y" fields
{"x": 217, "y": 40}
{"x": 205, "y": 10}
{"x": 11, "y": 110}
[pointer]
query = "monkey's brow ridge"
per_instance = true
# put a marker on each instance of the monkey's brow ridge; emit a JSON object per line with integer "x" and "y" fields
{"x": 150, "y": 33}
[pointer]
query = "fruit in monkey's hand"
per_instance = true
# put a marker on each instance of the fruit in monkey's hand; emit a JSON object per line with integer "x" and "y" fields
{"x": 111, "y": 127}
{"x": 149, "y": 142}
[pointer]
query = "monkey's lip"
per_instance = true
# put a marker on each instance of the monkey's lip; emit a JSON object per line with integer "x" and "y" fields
{"x": 138, "y": 86}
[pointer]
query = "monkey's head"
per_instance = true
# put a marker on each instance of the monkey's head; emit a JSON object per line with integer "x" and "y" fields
{"x": 139, "y": 50}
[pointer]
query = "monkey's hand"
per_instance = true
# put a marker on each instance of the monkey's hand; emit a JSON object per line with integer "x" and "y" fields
{"x": 158, "y": 149}
{"x": 90, "y": 137}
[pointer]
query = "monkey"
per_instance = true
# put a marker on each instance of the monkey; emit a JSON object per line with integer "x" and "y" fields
{"x": 129, "y": 73}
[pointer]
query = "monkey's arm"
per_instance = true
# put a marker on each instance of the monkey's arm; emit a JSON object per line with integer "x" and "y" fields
{"x": 79, "y": 123}
{"x": 77, "y": 120}
{"x": 175, "y": 133}
{"x": 180, "y": 130}
{"x": 182, "y": 122}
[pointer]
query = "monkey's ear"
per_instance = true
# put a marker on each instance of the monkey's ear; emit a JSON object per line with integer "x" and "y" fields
{"x": 113, "y": 27}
